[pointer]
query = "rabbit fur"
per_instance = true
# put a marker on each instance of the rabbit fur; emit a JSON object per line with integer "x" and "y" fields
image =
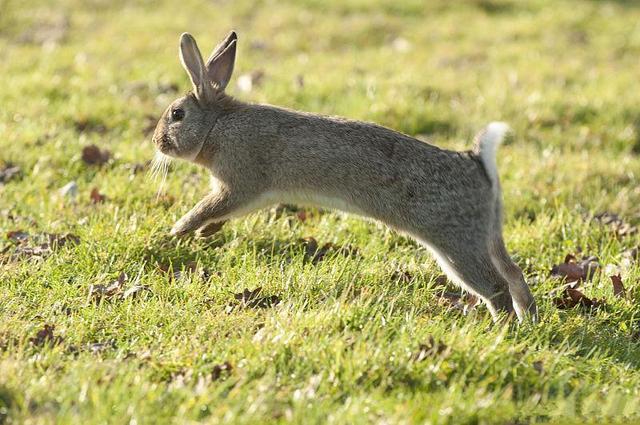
{"x": 260, "y": 155}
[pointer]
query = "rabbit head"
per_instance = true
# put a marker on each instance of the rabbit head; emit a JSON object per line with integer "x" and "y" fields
{"x": 187, "y": 123}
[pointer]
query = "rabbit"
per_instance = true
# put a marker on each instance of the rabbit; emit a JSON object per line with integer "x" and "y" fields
{"x": 259, "y": 155}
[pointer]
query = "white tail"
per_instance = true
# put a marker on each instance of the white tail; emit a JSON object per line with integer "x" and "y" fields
{"x": 487, "y": 144}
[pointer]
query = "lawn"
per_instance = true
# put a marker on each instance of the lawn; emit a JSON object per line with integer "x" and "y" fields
{"x": 104, "y": 318}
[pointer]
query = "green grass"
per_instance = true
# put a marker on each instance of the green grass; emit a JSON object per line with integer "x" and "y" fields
{"x": 341, "y": 347}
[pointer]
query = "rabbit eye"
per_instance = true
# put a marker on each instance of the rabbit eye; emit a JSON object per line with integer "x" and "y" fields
{"x": 177, "y": 114}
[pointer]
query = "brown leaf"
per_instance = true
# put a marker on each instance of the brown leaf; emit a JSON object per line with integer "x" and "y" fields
{"x": 100, "y": 291}
{"x": 17, "y": 236}
{"x": 430, "y": 349}
{"x": 615, "y": 223}
{"x": 572, "y": 297}
{"x": 92, "y": 155}
{"x": 221, "y": 369}
{"x": 44, "y": 244}
{"x": 576, "y": 271}
{"x": 96, "y": 197}
{"x": 618, "y": 287}
{"x": 46, "y": 336}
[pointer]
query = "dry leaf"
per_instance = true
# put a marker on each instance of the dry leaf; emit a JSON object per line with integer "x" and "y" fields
{"x": 46, "y": 336}
{"x": 220, "y": 370}
{"x": 92, "y": 155}
{"x": 576, "y": 271}
{"x": 17, "y": 236}
{"x": 44, "y": 244}
{"x": 100, "y": 291}
{"x": 572, "y": 297}
{"x": 618, "y": 287}
{"x": 96, "y": 197}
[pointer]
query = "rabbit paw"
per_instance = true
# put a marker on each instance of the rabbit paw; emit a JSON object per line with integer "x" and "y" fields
{"x": 179, "y": 229}
{"x": 209, "y": 229}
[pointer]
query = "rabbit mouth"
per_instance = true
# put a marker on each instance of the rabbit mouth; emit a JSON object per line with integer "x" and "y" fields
{"x": 165, "y": 145}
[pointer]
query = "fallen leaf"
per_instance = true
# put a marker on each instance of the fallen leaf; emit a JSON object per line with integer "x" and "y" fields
{"x": 9, "y": 172}
{"x": 96, "y": 197}
{"x": 430, "y": 349}
{"x": 572, "y": 297}
{"x": 220, "y": 370}
{"x": 92, "y": 155}
{"x": 615, "y": 223}
{"x": 46, "y": 336}
{"x": 17, "y": 236}
{"x": 576, "y": 271}
{"x": 107, "y": 291}
{"x": 43, "y": 244}
{"x": 618, "y": 287}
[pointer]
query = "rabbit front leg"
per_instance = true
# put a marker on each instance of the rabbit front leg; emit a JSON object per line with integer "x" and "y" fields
{"x": 216, "y": 207}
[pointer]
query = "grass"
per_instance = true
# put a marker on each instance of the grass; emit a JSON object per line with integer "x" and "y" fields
{"x": 344, "y": 343}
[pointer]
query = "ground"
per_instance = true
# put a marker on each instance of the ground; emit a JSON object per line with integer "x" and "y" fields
{"x": 97, "y": 327}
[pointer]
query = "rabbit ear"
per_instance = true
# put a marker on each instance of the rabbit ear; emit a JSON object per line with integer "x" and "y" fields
{"x": 194, "y": 65}
{"x": 221, "y": 47}
{"x": 220, "y": 65}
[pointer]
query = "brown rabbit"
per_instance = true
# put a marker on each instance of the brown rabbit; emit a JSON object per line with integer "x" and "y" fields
{"x": 259, "y": 155}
